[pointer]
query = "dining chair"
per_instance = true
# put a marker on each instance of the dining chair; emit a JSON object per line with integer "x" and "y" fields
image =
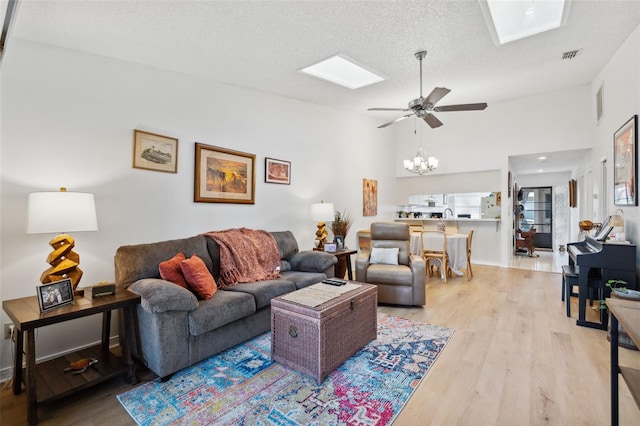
{"x": 434, "y": 247}
{"x": 469, "y": 271}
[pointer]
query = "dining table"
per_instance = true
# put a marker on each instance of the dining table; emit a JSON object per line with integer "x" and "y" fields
{"x": 456, "y": 248}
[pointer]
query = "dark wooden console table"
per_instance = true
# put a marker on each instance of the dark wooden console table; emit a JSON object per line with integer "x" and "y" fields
{"x": 47, "y": 381}
{"x": 627, "y": 312}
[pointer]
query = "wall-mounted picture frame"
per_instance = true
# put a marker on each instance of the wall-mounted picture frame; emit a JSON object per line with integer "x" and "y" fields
{"x": 369, "y": 197}
{"x": 573, "y": 193}
{"x": 277, "y": 171}
{"x": 155, "y": 152}
{"x": 223, "y": 175}
{"x": 625, "y": 172}
{"x": 55, "y": 294}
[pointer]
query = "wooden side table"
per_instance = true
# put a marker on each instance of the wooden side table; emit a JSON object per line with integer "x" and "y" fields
{"x": 47, "y": 381}
{"x": 344, "y": 262}
{"x": 627, "y": 312}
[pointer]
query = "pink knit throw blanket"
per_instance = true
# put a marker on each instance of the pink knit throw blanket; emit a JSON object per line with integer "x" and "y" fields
{"x": 246, "y": 256}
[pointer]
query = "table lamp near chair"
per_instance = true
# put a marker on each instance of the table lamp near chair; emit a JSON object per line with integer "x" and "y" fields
{"x": 60, "y": 212}
{"x": 322, "y": 212}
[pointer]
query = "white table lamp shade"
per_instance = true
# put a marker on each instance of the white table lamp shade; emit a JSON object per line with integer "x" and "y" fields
{"x": 59, "y": 212}
{"x": 322, "y": 212}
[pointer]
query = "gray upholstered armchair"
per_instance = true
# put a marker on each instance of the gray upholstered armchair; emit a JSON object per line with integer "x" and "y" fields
{"x": 399, "y": 275}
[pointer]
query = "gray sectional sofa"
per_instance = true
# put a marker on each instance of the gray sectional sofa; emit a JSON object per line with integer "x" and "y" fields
{"x": 176, "y": 330}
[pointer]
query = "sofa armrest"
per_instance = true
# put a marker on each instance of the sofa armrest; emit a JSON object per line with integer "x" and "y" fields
{"x": 162, "y": 296}
{"x": 312, "y": 261}
{"x": 362, "y": 263}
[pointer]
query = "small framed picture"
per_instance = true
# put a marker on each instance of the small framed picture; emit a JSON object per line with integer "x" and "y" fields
{"x": 330, "y": 247}
{"x": 224, "y": 175}
{"x": 155, "y": 152}
{"x": 339, "y": 242}
{"x": 277, "y": 171}
{"x": 55, "y": 294}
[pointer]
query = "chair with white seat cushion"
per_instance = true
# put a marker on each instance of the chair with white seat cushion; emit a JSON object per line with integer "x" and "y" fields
{"x": 399, "y": 275}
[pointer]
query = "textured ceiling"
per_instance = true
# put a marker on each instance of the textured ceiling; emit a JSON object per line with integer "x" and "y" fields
{"x": 262, "y": 44}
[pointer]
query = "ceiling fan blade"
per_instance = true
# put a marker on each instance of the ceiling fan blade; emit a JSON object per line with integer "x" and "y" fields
{"x": 462, "y": 107}
{"x": 432, "y": 121}
{"x": 435, "y": 95}
{"x": 388, "y": 109}
{"x": 395, "y": 121}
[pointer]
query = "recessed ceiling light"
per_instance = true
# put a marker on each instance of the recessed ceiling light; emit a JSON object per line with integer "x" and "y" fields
{"x": 340, "y": 70}
{"x": 540, "y": 170}
{"x": 542, "y": 158}
{"x": 516, "y": 19}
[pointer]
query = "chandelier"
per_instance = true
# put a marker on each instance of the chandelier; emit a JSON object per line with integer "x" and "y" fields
{"x": 420, "y": 163}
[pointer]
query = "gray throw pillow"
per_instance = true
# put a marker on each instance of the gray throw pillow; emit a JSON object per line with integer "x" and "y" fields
{"x": 385, "y": 256}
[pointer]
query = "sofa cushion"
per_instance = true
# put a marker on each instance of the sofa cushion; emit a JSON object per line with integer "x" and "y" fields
{"x": 264, "y": 291}
{"x": 287, "y": 244}
{"x": 162, "y": 296}
{"x": 198, "y": 277}
{"x": 223, "y": 308}
{"x": 389, "y": 274}
{"x": 135, "y": 262}
{"x": 303, "y": 279}
{"x": 170, "y": 270}
{"x": 313, "y": 261}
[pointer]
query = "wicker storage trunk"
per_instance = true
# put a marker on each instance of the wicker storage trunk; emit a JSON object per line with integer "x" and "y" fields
{"x": 317, "y": 340}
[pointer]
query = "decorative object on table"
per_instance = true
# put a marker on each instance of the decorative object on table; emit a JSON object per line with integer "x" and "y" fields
{"x": 155, "y": 152}
{"x": 617, "y": 222}
{"x": 277, "y": 171}
{"x": 366, "y": 386}
{"x": 55, "y": 294}
{"x": 423, "y": 107}
{"x": 341, "y": 224}
{"x": 56, "y": 212}
{"x": 102, "y": 289}
{"x": 81, "y": 365}
{"x": 224, "y": 176}
{"x": 330, "y": 247}
{"x": 321, "y": 212}
{"x": 625, "y": 172}
{"x": 339, "y": 240}
{"x": 369, "y": 197}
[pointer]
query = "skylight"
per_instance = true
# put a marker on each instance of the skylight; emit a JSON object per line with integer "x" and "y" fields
{"x": 340, "y": 70}
{"x": 510, "y": 20}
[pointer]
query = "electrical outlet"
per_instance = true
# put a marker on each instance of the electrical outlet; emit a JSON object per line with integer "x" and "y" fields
{"x": 7, "y": 330}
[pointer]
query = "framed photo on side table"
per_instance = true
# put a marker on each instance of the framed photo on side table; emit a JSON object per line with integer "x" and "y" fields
{"x": 224, "y": 176}
{"x": 625, "y": 172}
{"x": 55, "y": 294}
{"x": 277, "y": 171}
{"x": 155, "y": 152}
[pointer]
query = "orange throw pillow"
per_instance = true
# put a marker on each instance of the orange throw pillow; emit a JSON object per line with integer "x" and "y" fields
{"x": 170, "y": 270}
{"x": 198, "y": 277}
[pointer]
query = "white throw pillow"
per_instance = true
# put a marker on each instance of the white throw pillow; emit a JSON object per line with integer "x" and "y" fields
{"x": 386, "y": 256}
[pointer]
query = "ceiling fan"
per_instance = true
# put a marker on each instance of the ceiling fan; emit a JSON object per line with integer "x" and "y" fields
{"x": 422, "y": 107}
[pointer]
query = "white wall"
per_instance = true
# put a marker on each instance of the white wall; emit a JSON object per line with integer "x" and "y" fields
{"x": 68, "y": 120}
{"x": 621, "y": 81}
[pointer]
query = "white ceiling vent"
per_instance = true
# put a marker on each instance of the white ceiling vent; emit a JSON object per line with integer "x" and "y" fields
{"x": 571, "y": 54}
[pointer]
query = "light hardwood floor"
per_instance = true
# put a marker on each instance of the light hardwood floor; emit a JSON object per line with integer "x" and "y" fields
{"x": 514, "y": 359}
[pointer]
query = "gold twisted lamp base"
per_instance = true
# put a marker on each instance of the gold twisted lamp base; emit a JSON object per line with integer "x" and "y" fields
{"x": 64, "y": 262}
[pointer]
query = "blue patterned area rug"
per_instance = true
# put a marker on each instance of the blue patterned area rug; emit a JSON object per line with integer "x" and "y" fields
{"x": 242, "y": 386}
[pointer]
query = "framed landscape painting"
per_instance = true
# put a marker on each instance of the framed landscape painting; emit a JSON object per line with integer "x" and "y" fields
{"x": 625, "y": 172}
{"x": 223, "y": 175}
{"x": 277, "y": 171}
{"x": 155, "y": 152}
